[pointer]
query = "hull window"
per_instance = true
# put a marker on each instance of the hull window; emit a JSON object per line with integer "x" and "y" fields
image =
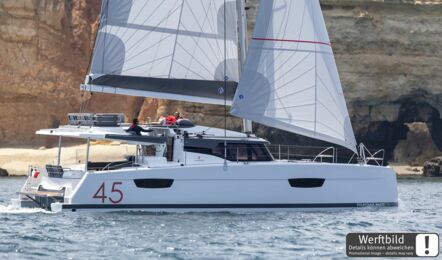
{"x": 153, "y": 183}
{"x": 306, "y": 182}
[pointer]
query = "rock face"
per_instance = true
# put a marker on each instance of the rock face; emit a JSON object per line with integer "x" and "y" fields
{"x": 3, "y": 173}
{"x": 388, "y": 54}
{"x": 44, "y": 55}
{"x": 433, "y": 168}
{"x": 418, "y": 145}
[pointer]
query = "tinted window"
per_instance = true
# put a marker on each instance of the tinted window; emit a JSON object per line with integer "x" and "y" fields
{"x": 239, "y": 152}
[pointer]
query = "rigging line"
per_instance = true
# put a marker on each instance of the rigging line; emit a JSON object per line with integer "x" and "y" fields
{"x": 81, "y": 102}
{"x": 225, "y": 87}
{"x": 88, "y": 100}
{"x": 176, "y": 38}
{"x": 216, "y": 123}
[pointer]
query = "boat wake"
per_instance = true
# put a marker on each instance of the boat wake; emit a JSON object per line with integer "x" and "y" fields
{"x": 12, "y": 209}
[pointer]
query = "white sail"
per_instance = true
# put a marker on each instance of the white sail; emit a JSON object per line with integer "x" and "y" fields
{"x": 290, "y": 80}
{"x": 170, "y": 49}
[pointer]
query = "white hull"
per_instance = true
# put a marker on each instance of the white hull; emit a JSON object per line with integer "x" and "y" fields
{"x": 260, "y": 186}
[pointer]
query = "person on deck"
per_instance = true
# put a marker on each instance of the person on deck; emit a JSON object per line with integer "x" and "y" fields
{"x": 177, "y": 115}
{"x": 170, "y": 120}
{"x": 135, "y": 129}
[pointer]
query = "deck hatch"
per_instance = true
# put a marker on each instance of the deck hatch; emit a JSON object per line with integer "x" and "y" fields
{"x": 153, "y": 183}
{"x": 306, "y": 182}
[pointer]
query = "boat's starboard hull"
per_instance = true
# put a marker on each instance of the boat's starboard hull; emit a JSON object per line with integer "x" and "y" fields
{"x": 266, "y": 186}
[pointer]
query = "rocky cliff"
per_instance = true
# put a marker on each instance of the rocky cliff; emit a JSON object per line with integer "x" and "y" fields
{"x": 44, "y": 55}
{"x": 388, "y": 53}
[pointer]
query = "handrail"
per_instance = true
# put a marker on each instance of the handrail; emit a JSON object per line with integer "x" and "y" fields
{"x": 278, "y": 152}
{"x": 372, "y": 156}
{"x": 351, "y": 158}
{"x": 321, "y": 154}
{"x": 107, "y": 167}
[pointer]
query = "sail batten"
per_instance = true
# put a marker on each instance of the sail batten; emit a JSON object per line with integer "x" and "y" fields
{"x": 290, "y": 80}
{"x": 294, "y": 41}
{"x": 166, "y": 43}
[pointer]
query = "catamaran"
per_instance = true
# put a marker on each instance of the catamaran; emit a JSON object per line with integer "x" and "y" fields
{"x": 196, "y": 51}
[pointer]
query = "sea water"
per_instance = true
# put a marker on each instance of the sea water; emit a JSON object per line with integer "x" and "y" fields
{"x": 33, "y": 233}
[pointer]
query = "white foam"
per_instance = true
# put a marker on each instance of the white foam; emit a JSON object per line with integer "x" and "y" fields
{"x": 12, "y": 209}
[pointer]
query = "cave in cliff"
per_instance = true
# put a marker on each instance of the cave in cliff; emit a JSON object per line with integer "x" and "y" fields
{"x": 388, "y": 54}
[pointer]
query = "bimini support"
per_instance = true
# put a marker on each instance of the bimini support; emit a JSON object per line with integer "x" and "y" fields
{"x": 59, "y": 151}
{"x": 87, "y": 153}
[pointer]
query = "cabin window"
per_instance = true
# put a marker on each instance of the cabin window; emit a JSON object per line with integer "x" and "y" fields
{"x": 241, "y": 152}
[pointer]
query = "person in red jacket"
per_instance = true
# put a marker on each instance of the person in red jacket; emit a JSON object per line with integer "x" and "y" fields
{"x": 170, "y": 120}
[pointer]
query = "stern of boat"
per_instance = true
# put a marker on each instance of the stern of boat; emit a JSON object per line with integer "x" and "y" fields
{"x": 47, "y": 185}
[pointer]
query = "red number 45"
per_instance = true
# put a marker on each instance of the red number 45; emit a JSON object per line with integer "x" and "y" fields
{"x": 101, "y": 193}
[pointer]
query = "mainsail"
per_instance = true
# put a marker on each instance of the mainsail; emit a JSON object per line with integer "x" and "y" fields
{"x": 290, "y": 80}
{"x": 174, "y": 49}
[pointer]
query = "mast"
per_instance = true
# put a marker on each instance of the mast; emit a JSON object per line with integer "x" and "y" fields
{"x": 242, "y": 24}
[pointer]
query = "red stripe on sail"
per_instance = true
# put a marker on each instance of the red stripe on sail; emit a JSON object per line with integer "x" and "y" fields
{"x": 285, "y": 40}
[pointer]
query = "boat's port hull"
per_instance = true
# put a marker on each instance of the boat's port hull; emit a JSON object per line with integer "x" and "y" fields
{"x": 266, "y": 186}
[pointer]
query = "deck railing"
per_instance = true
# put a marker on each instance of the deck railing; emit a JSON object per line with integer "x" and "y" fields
{"x": 327, "y": 154}
{"x": 303, "y": 153}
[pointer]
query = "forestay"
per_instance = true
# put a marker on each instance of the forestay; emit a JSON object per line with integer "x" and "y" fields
{"x": 290, "y": 80}
{"x": 170, "y": 49}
